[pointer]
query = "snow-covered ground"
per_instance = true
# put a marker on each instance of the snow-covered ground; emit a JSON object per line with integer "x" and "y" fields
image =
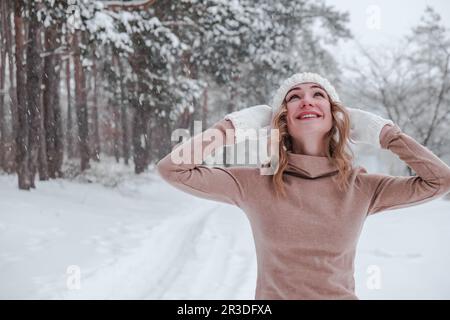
{"x": 135, "y": 237}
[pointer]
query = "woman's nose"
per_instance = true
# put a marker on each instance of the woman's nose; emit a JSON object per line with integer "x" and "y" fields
{"x": 306, "y": 101}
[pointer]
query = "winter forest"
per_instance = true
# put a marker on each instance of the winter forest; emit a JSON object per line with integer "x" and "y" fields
{"x": 81, "y": 80}
{"x": 91, "y": 88}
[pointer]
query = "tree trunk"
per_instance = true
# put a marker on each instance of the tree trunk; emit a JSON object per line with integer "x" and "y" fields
{"x": 165, "y": 133}
{"x": 52, "y": 109}
{"x": 116, "y": 135}
{"x": 58, "y": 125}
{"x": 124, "y": 115}
{"x": 139, "y": 134}
{"x": 34, "y": 75}
{"x": 148, "y": 141}
{"x": 191, "y": 71}
{"x": 48, "y": 98}
{"x": 185, "y": 119}
{"x": 233, "y": 94}
{"x": 96, "y": 135}
{"x": 69, "y": 133}
{"x": 115, "y": 108}
{"x": 81, "y": 103}
{"x": 205, "y": 108}
{"x": 2, "y": 86}
{"x": 22, "y": 130}
{"x": 8, "y": 9}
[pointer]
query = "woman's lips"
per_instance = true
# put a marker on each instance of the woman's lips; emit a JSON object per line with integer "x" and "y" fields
{"x": 306, "y": 119}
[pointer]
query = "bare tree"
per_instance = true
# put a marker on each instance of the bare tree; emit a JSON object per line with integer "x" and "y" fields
{"x": 95, "y": 152}
{"x": 123, "y": 112}
{"x": 68, "y": 73}
{"x": 22, "y": 130}
{"x": 3, "y": 18}
{"x": 34, "y": 106}
{"x": 52, "y": 108}
{"x": 411, "y": 84}
{"x": 8, "y": 10}
{"x": 81, "y": 101}
{"x": 430, "y": 56}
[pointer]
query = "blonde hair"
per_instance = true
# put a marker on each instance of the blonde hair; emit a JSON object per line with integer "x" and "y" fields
{"x": 336, "y": 140}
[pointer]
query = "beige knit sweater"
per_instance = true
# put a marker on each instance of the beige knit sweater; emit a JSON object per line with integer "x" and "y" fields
{"x": 305, "y": 244}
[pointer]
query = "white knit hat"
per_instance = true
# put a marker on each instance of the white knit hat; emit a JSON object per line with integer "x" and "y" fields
{"x": 297, "y": 79}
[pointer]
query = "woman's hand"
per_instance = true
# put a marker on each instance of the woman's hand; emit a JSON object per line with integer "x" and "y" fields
{"x": 254, "y": 118}
{"x": 366, "y": 127}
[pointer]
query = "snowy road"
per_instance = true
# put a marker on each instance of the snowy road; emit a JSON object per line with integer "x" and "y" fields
{"x": 145, "y": 240}
{"x": 180, "y": 258}
{"x": 140, "y": 240}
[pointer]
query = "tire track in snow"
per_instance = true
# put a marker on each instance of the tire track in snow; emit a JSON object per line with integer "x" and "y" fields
{"x": 182, "y": 246}
{"x": 240, "y": 279}
{"x": 143, "y": 272}
{"x": 186, "y": 256}
{"x": 220, "y": 263}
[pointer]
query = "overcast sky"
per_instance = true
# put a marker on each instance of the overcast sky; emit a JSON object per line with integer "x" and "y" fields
{"x": 396, "y": 17}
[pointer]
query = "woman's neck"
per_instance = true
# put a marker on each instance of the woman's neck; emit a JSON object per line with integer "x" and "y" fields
{"x": 312, "y": 147}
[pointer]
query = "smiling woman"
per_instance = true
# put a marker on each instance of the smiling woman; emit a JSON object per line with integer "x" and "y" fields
{"x": 323, "y": 133}
{"x": 306, "y": 219}
{"x": 309, "y": 118}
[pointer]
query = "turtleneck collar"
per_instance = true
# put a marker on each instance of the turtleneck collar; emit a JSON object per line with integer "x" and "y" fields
{"x": 308, "y": 166}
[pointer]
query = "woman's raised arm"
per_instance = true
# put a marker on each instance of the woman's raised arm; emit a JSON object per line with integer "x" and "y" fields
{"x": 432, "y": 178}
{"x": 191, "y": 176}
{"x": 211, "y": 182}
{"x": 387, "y": 192}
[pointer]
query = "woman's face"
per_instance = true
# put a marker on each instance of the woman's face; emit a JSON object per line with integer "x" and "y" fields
{"x": 308, "y": 110}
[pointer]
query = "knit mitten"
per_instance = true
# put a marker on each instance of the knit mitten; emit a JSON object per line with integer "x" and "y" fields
{"x": 365, "y": 127}
{"x": 255, "y": 118}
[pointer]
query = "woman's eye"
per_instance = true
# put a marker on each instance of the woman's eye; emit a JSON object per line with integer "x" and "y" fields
{"x": 294, "y": 96}
{"x": 319, "y": 93}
